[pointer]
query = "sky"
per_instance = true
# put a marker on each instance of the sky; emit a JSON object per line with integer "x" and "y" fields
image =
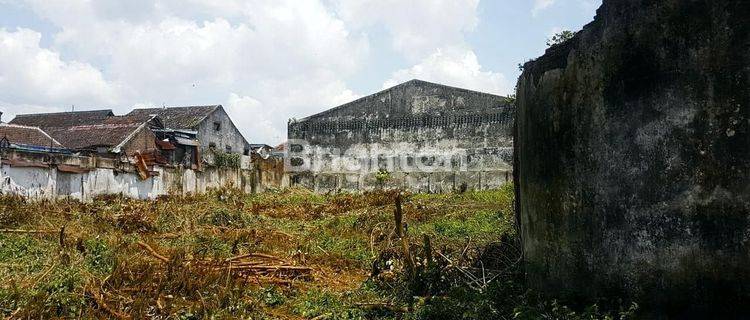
{"x": 265, "y": 61}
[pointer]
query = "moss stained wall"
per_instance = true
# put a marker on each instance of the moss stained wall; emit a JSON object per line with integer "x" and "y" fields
{"x": 633, "y": 157}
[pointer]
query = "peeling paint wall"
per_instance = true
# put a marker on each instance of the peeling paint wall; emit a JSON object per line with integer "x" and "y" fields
{"x": 113, "y": 178}
{"x": 31, "y": 182}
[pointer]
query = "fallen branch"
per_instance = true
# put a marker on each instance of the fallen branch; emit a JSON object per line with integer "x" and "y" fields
{"x": 44, "y": 275}
{"x": 29, "y": 231}
{"x": 245, "y": 264}
{"x": 153, "y": 252}
{"x": 255, "y": 255}
{"x": 297, "y": 268}
{"x": 99, "y": 299}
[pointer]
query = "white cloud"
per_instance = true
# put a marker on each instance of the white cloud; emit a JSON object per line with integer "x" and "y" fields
{"x": 280, "y": 100}
{"x": 417, "y": 26}
{"x": 265, "y": 60}
{"x": 260, "y": 118}
{"x": 35, "y": 76}
{"x": 455, "y": 67}
{"x": 540, "y": 5}
{"x": 290, "y": 56}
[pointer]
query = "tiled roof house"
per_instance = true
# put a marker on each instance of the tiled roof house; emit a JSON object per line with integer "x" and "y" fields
{"x": 212, "y": 124}
{"x": 95, "y": 131}
{"x": 29, "y": 138}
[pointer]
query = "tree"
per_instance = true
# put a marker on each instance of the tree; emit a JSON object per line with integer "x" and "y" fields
{"x": 560, "y": 37}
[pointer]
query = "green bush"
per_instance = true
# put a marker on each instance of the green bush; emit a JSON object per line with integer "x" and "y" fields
{"x": 226, "y": 160}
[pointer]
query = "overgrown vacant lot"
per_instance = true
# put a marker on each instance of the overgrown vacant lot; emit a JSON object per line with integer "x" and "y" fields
{"x": 283, "y": 255}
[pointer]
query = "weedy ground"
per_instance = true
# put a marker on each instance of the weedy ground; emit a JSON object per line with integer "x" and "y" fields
{"x": 92, "y": 260}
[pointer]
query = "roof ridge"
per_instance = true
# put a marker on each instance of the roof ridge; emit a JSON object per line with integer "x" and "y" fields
{"x": 18, "y": 126}
{"x": 61, "y": 112}
{"x": 32, "y": 128}
{"x": 130, "y": 136}
{"x": 403, "y": 84}
{"x": 179, "y": 107}
{"x": 216, "y": 107}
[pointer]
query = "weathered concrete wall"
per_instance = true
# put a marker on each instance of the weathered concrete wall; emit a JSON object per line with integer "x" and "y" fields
{"x": 633, "y": 157}
{"x": 44, "y": 180}
{"x": 268, "y": 174}
{"x": 419, "y": 182}
{"x": 227, "y": 135}
{"x": 425, "y": 135}
{"x": 38, "y": 183}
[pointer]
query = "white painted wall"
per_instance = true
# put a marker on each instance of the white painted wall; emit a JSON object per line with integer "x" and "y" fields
{"x": 37, "y": 183}
{"x": 48, "y": 183}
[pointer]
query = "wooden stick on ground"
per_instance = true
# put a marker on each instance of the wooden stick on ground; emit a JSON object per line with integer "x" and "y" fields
{"x": 153, "y": 252}
{"x": 44, "y": 275}
{"x": 254, "y": 255}
{"x": 28, "y": 231}
{"x": 99, "y": 299}
{"x": 295, "y": 268}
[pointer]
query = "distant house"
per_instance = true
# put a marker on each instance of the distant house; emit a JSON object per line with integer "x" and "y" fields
{"x": 261, "y": 149}
{"x": 28, "y": 139}
{"x": 98, "y": 131}
{"x": 212, "y": 125}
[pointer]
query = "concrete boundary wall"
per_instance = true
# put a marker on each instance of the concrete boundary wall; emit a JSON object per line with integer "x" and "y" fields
{"x": 41, "y": 176}
{"x": 421, "y": 182}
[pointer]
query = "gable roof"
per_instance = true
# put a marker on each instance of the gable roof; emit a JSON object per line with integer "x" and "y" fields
{"x": 178, "y": 117}
{"x": 110, "y": 132}
{"x": 62, "y": 119}
{"x": 27, "y": 136}
{"x": 410, "y": 83}
{"x": 87, "y": 129}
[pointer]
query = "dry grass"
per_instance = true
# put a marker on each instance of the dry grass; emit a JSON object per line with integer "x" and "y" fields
{"x": 168, "y": 259}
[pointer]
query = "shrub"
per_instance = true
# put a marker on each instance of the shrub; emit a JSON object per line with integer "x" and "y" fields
{"x": 226, "y": 160}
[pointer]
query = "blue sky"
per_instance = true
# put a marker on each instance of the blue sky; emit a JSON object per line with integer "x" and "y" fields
{"x": 265, "y": 60}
